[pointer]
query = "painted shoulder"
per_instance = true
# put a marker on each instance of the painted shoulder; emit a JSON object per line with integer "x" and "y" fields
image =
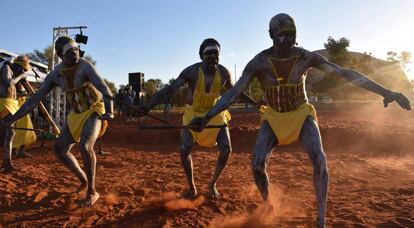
{"x": 190, "y": 71}
{"x": 56, "y": 70}
{"x": 263, "y": 55}
{"x": 314, "y": 58}
{"x": 259, "y": 62}
{"x": 85, "y": 63}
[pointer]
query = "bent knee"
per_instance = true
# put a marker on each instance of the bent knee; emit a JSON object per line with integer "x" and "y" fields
{"x": 59, "y": 151}
{"x": 9, "y": 133}
{"x": 258, "y": 167}
{"x": 319, "y": 160}
{"x": 185, "y": 150}
{"x": 58, "y": 148}
{"x": 85, "y": 148}
{"x": 225, "y": 149}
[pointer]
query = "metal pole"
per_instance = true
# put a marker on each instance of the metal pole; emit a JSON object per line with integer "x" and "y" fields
{"x": 235, "y": 74}
{"x": 70, "y": 27}
{"x": 53, "y": 51}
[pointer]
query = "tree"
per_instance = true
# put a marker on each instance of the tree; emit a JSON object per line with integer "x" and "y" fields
{"x": 44, "y": 56}
{"x": 404, "y": 58}
{"x": 179, "y": 98}
{"x": 392, "y": 56}
{"x": 152, "y": 86}
{"x": 338, "y": 53}
{"x": 338, "y": 50}
{"x": 111, "y": 86}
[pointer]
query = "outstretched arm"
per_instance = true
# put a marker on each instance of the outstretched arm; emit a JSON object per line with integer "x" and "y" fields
{"x": 243, "y": 96}
{"x": 230, "y": 96}
{"x": 167, "y": 91}
{"x": 14, "y": 81}
{"x": 246, "y": 98}
{"x": 102, "y": 87}
{"x": 7, "y": 75}
{"x": 361, "y": 80}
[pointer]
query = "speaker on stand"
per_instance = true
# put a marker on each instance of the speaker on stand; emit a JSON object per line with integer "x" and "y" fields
{"x": 136, "y": 80}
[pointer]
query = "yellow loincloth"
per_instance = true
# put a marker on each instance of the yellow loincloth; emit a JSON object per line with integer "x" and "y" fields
{"x": 207, "y": 137}
{"x": 23, "y": 137}
{"x": 8, "y": 106}
{"x": 287, "y": 125}
{"x": 77, "y": 120}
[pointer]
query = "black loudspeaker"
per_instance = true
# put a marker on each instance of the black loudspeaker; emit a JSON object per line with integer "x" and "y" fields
{"x": 136, "y": 80}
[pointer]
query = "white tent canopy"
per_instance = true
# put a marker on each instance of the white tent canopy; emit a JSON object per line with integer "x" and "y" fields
{"x": 40, "y": 68}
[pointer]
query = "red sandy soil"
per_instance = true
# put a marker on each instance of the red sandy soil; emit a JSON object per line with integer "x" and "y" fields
{"x": 370, "y": 159}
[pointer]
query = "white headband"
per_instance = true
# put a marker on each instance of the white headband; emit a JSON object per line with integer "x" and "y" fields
{"x": 211, "y": 47}
{"x": 69, "y": 46}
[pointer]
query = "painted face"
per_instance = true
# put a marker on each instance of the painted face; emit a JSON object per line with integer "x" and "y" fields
{"x": 70, "y": 54}
{"x": 285, "y": 40}
{"x": 283, "y": 31}
{"x": 211, "y": 55}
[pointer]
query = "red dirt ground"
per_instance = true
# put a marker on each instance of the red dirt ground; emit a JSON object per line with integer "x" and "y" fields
{"x": 370, "y": 159}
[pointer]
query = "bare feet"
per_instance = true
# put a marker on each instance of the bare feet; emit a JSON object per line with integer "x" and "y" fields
{"x": 213, "y": 193}
{"x": 320, "y": 223}
{"x": 190, "y": 194}
{"x": 102, "y": 153}
{"x": 90, "y": 200}
{"x": 8, "y": 167}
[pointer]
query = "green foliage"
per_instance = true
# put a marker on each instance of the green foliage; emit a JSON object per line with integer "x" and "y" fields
{"x": 388, "y": 74}
{"x": 338, "y": 50}
{"x": 338, "y": 54}
{"x": 179, "y": 98}
{"x": 111, "y": 86}
{"x": 152, "y": 86}
{"x": 44, "y": 56}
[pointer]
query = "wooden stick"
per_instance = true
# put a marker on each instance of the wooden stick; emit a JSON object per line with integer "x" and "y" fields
{"x": 137, "y": 108}
{"x": 162, "y": 127}
{"x": 42, "y": 108}
{"x": 27, "y": 129}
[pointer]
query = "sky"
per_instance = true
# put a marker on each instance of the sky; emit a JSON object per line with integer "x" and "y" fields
{"x": 161, "y": 38}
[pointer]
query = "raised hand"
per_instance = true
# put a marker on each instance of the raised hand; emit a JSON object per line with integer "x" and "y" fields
{"x": 399, "y": 98}
{"x": 107, "y": 116}
{"x": 143, "y": 110}
{"x": 198, "y": 124}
